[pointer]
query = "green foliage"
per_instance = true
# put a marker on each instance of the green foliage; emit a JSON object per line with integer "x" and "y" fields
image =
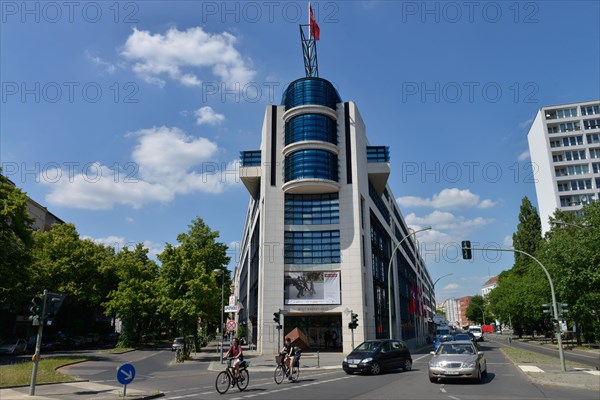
{"x": 477, "y": 311}
{"x": 188, "y": 287}
{"x": 571, "y": 254}
{"x": 16, "y": 241}
{"x": 135, "y": 300}
{"x": 528, "y": 236}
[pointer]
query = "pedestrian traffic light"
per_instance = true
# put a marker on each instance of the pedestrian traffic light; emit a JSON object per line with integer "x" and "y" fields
{"x": 37, "y": 304}
{"x": 563, "y": 308}
{"x": 466, "y": 250}
{"x": 54, "y": 301}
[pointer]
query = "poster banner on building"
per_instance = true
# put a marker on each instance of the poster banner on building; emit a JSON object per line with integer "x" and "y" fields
{"x": 312, "y": 287}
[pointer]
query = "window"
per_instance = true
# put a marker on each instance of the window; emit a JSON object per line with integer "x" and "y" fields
{"x": 572, "y": 140}
{"x": 557, "y": 157}
{"x": 250, "y": 158}
{"x": 590, "y": 110}
{"x": 581, "y": 184}
{"x": 566, "y": 113}
{"x": 595, "y": 153}
{"x": 575, "y": 155}
{"x": 315, "y": 164}
{"x": 572, "y": 170}
{"x": 379, "y": 203}
{"x": 311, "y": 127}
{"x": 312, "y": 247}
{"x": 593, "y": 138}
{"x": 568, "y": 127}
{"x": 378, "y": 154}
{"x": 555, "y": 143}
{"x": 596, "y": 167}
{"x": 563, "y": 187}
{"x": 591, "y": 124}
{"x": 312, "y": 209}
{"x": 576, "y": 200}
{"x": 310, "y": 91}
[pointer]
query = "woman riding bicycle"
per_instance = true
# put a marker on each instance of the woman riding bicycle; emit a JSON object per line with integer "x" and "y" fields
{"x": 288, "y": 351}
{"x": 236, "y": 352}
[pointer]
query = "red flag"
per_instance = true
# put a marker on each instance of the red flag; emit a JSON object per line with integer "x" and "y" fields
{"x": 314, "y": 29}
{"x": 411, "y": 302}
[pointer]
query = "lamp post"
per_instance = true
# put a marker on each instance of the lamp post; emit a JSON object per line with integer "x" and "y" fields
{"x": 443, "y": 276}
{"x": 561, "y": 353}
{"x": 222, "y": 273}
{"x": 389, "y": 292}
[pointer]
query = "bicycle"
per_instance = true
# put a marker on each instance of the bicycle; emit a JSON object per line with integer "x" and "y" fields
{"x": 282, "y": 369}
{"x": 227, "y": 378}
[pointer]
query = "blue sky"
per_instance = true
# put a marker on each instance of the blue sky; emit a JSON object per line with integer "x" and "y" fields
{"x": 127, "y": 118}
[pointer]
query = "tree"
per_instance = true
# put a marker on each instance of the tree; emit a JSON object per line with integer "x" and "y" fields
{"x": 135, "y": 300}
{"x": 476, "y": 311}
{"x": 188, "y": 287}
{"x": 16, "y": 241}
{"x": 528, "y": 236}
{"x": 572, "y": 256}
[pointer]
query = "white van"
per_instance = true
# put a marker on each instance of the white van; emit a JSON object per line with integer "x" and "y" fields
{"x": 477, "y": 332}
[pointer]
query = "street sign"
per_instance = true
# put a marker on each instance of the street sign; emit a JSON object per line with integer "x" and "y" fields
{"x": 231, "y": 325}
{"x": 232, "y": 300}
{"x": 231, "y": 308}
{"x": 125, "y": 374}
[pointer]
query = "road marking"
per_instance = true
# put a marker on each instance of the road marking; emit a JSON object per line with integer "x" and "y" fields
{"x": 530, "y": 368}
{"x": 597, "y": 373}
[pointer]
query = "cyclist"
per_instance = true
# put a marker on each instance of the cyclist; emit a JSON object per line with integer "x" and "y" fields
{"x": 236, "y": 352}
{"x": 288, "y": 351}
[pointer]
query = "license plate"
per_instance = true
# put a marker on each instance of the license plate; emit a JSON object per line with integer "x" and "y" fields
{"x": 352, "y": 366}
{"x": 451, "y": 372}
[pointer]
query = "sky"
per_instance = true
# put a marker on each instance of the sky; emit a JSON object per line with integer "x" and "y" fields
{"x": 127, "y": 118}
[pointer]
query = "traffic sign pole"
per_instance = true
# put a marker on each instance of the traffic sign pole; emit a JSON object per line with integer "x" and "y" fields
{"x": 125, "y": 375}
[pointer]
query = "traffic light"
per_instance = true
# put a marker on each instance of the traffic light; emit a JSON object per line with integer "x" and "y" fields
{"x": 466, "y": 250}
{"x": 563, "y": 308}
{"x": 53, "y": 303}
{"x": 354, "y": 323}
{"x": 36, "y": 309}
{"x": 276, "y": 317}
{"x": 546, "y": 308}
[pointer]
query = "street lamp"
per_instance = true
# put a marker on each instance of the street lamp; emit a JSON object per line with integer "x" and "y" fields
{"x": 222, "y": 273}
{"x": 482, "y": 311}
{"x": 389, "y": 292}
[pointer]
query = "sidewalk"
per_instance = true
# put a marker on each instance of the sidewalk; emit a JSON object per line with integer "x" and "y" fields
{"x": 266, "y": 363}
{"x": 75, "y": 390}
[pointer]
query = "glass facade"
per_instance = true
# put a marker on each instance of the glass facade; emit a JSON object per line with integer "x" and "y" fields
{"x": 311, "y": 164}
{"x": 312, "y": 247}
{"x": 314, "y": 91}
{"x": 311, "y": 127}
{"x": 250, "y": 158}
{"x": 378, "y": 154}
{"x": 312, "y": 209}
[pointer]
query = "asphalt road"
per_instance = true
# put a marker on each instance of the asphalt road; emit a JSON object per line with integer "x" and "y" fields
{"x": 191, "y": 380}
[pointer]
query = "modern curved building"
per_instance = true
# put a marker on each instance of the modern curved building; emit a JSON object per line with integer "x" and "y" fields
{"x": 320, "y": 229}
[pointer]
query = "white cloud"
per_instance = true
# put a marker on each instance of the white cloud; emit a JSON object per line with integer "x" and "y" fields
{"x": 447, "y": 221}
{"x": 177, "y": 53}
{"x": 523, "y": 156}
{"x": 130, "y": 220}
{"x": 118, "y": 242}
{"x": 508, "y": 241}
{"x": 526, "y": 124}
{"x": 206, "y": 115}
{"x": 447, "y": 198}
{"x": 167, "y": 162}
{"x": 108, "y": 67}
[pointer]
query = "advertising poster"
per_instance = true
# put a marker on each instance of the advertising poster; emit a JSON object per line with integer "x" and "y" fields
{"x": 322, "y": 287}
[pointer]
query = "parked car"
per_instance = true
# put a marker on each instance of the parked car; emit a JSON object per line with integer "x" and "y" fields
{"x": 77, "y": 341}
{"x": 457, "y": 359}
{"x": 177, "y": 342}
{"x": 13, "y": 346}
{"x": 375, "y": 356}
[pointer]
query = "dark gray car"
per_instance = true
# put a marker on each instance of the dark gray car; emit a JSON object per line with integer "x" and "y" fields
{"x": 375, "y": 356}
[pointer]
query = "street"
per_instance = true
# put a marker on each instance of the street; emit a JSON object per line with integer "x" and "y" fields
{"x": 157, "y": 372}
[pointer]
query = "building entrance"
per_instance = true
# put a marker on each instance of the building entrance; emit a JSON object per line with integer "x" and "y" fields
{"x": 323, "y": 331}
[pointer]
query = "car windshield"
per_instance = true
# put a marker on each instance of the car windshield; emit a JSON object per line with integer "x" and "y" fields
{"x": 462, "y": 336}
{"x": 455, "y": 349}
{"x": 368, "y": 346}
{"x": 475, "y": 330}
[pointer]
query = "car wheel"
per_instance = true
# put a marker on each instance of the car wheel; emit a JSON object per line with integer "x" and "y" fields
{"x": 376, "y": 368}
{"x": 349, "y": 372}
{"x": 484, "y": 373}
{"x": 478, "y": 376}
{"x": 407, "y": 365}
{"x": 433, "y": 379}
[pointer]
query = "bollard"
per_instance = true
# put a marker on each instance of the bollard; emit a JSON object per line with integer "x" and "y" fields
{"x": 318, "y": 360}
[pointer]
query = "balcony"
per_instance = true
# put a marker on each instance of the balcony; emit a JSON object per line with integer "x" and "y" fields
{"x": 251, "y": 171}
{"x": 378, "y": 167}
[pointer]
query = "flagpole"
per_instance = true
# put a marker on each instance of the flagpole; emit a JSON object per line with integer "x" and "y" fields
{"x": 309, "y": 30}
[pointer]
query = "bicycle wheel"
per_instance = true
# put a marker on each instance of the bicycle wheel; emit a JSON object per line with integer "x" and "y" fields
{"x": 295, "y": 374}
{"x": 223, "y": 382}
{"x": 279, "y": 374}
{"x": 243, "y": 379}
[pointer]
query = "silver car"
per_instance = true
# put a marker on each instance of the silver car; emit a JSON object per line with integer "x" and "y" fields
{"x": 457, "y": 359}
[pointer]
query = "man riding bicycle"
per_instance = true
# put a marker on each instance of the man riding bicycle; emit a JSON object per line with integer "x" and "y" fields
{"x": 288, "y": 351}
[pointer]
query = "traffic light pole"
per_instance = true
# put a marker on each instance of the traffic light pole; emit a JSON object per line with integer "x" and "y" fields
{"x": 38, "y": 345}
{"x": 561, "y": 353}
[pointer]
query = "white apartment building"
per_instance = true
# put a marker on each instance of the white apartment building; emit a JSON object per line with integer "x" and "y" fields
{"x": 321, "y": 227}
{"x": 564, "y": 143}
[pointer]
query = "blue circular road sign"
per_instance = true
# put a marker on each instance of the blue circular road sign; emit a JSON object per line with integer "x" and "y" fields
{"x": 125, "y": 374}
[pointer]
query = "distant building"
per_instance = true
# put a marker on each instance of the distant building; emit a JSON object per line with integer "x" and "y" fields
{"x": 564, "y": 144}
{"x": 42, "y": 218}
{"x": 489, "y": 285}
